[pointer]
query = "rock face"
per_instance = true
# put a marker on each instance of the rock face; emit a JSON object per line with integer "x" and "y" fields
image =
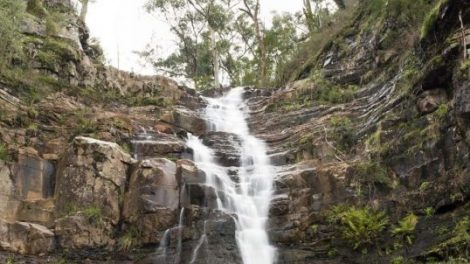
{"x": 26, "y": 238}
{"x": 152, "y": 201}
{"x": 227, "y": 147}
{"x": 92, "y": 174}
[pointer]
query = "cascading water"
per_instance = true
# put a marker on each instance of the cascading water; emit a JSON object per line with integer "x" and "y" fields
{"x": 248, "y": 198}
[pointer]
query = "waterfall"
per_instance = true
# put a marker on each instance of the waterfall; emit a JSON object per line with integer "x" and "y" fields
{"x": 248, "y": 198}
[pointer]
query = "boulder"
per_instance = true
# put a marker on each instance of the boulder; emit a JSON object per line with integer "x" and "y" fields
{"x": 430, "y": 100}
{"x": 26, "y": 238}
{"x": 185, "y": 119}
{"x": 188, "y": 173}
{"x": 82, "y": 232}
{"x": 92, "y": 173}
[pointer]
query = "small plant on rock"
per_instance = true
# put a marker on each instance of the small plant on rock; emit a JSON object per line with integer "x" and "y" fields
{"x": 359, "y": 226}
{"x": 4, "y": 155}
{"x": 406, "y": 227}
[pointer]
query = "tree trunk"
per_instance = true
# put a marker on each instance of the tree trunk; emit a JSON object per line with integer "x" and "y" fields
{"x": 215, "y": 58}
{"x": 84, "y": 10}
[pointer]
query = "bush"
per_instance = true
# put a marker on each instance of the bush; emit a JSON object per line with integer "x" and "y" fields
{"x": 359, "y": 226}
{"x": 36, "y": 8}
{"x": 343, "y": 133}
{"x": 129, "y": 240}
{"x": 11, "y": 13}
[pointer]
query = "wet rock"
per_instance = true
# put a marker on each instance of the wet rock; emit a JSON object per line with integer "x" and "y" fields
{"x": 188, "y": 173}
{"x": 152, "y": 199}
{"x": 430, "y": 100}
{"x": 26, "y": 238}
{"x": 226, "y": 146}
{"x": 156, "y": 145}
{"x": 185, "y": 119}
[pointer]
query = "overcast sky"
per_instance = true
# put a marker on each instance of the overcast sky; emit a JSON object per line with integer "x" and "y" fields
{"x": 123, "y": 26}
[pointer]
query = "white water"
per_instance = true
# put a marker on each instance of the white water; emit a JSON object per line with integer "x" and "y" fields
{"x": 249, "y": 199}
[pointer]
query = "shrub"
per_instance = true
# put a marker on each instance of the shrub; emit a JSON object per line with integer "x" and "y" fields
{"x": 129, "y": 239}
{"x": 343, "y": 133}
{"x": 374, "y": 173}
{"x": 11, "y": 13}
{"x": 359, "y": 226}
{"x": 36, "y": 8}
{"x": 406, "y": 227}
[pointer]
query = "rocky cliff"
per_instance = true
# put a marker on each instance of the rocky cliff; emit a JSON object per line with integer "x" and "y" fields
{"x": 370, "y": 140}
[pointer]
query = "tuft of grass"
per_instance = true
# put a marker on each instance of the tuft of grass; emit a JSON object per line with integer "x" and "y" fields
{"x": 130, "y": 239}
{"x": 431, "y": 19}
{"x": 94, "y": 214}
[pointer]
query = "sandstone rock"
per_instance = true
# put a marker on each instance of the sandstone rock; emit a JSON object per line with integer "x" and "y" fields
{"x": 92, "y": 173}
{"x": 185, "y": 119}
{"x": 188, "y": 173}
{"x": 152, "y": 199}
{"x": 26, "y": 238}
{"x": 430, "y": 100}
{"x": 33, "y": 176}
{"x": 226, "y": 146}
{"x": 156, "y": 145}
{"x": 80, "y": 232}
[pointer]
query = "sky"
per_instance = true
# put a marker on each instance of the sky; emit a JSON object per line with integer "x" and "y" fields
{"x": 123, "y": 27}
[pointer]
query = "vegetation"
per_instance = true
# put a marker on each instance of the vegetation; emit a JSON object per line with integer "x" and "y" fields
{"x": 431, "y": 18}
{"x": 11, "y": 13}
{"x": 4, "y": 155}
{"x": 359, "y": 226}
{"x": 129, "y": 239}
{"x": 343, "y": 133}
{"x": 406, "y": 227}
{"x": 94, "y": 214}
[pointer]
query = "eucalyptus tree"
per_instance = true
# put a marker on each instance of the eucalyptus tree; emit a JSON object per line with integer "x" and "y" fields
{"x": 199, "y": 26}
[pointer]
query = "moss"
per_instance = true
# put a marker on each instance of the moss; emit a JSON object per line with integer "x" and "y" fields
{"x": 4, "y": 154}
{"x": 431, "y": 19}
{"x": 455, "y": 247}
{"x": 374, "y": 173}
{"x": 36, "y": 8}
{"x": 359, "y": 226}
{"x": 343, "y": 133}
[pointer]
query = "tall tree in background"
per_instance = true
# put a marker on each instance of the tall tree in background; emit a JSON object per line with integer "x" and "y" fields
{"x": 198, "y": 26}
{"x": 252, "y": 10}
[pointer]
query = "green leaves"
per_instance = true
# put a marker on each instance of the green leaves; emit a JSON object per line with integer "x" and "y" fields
{"x": 360, "y": 226}
{"x": 406, "y": 227}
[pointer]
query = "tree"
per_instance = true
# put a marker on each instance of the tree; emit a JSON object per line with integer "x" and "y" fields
{"x": 84, "y": 9}
{"x": 198, "y": 26}
{"x": 252, "y": 9}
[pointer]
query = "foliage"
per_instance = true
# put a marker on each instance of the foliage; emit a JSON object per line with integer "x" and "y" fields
{"x": 373, "y": 173}
{"x": 455, "y": 247}
{"x": 329, "y": 92}
{"x": 441, "y": 112}
{"x": 10, "y": 260}
{"x": 343, "y": 133}
{"x": 11, "y": 13}
{"x": 406, "y": 227}
{"x": 4, "y": 154}
{"x": 36, "y": 8}
{"x": 129, "y": 239}
{"x": 360, "y": 226}
{"x": 431, "y": 18}
{"x": 94, "y": 214}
